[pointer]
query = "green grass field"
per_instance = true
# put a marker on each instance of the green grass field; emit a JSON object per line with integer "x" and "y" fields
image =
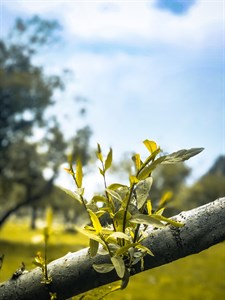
{"x": 200, "y": 276}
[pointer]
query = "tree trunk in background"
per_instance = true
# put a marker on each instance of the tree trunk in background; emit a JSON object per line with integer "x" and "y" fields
{"x": 33, "y": 216}
{"x": 28, "y": 200}
{"x": 73, "y": 274}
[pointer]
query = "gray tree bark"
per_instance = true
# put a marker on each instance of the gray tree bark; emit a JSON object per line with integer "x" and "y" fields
{"x": 73, "y": 274}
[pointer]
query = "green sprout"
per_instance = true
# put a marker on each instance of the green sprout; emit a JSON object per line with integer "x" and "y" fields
{"x": 128, "y": 207}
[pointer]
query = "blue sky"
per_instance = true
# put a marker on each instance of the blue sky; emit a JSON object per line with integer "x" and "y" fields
{"x": 150, "y": 69}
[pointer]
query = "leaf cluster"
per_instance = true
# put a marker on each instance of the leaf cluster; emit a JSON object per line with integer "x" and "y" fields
{"x": 128, "y": 207}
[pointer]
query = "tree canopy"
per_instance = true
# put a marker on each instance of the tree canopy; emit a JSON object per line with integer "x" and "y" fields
{"x": 25, "y": 94}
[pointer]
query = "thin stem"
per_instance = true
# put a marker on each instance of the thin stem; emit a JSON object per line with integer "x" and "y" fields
{"x": 46, "y": 235}
{"x": 110, "y": 204}
{"x": 136, "y": 233}
{"x": 127, "y": 205}
{"x": 147, "y": 161}
{"x": 106, "y": 244}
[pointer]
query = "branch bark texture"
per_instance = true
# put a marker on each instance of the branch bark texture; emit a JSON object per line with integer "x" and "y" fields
{"x": 73, "y": 274}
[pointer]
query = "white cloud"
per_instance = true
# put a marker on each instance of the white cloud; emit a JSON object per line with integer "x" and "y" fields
{"x": 132, "y": 22}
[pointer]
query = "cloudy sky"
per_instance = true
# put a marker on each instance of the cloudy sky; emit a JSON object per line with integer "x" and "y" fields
{"x": 150, "y": 69}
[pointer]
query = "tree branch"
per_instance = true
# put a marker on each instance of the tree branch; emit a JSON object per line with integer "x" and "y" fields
{"x": 73, "y": 274}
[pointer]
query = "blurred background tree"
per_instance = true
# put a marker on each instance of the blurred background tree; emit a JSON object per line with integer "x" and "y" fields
{"x": 29, "y": 165}
{"x": 206, "y": 189}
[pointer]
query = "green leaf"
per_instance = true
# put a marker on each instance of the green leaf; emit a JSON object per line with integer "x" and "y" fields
{"x": 118, "y": 219}
{"x": 160, "y": 211}
{"x": 133, "y": 179}
{"x": 167, "y": 220}
{"x": 101, "y": 171}
{"x": 147, "y": 220}
{"x": 146, "y": 172}
{"x": 165, "y": 198}
{"x": 99, "y": 153}
{"x": 137, "y": 161}
{"x": 125, "y": 248}
{"x": 79, "y": 173}
{"x": 99, "y": 198}
{"x": 181, "y": 155}
{"x": 172, "y": 158}
{"x": 72, "y": 194}
{"x": 100, "y": 213}
{"x": 142, "y": 191}
{"x": 93, "y": 244}
{"x": 80, "y": 191}
{"x": 119, "y": 235}
{"x": 145, "y": 249}
{"x": 149, "y": 207}
{"x": 150, "y": 145}
{"x": 108, "y": 160}
{"x": 103, "y": 268}
{"x": 38, "y": 264}
{"x": 115, "y": 186}
{"x": 119, "y": 265}
{"x": 95, "y": 221}
{"x": 91, "y": 234}
{"x": 114, "y": 194}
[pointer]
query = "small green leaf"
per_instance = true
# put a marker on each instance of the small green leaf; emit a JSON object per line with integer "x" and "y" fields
{"x": 149, "y": 207}
{"x": 118, "y": 219}
{"x": 39, "y": 260}
{"x": 165, "y": 198}
{"x": 93, "y": 244}
{"x": 172, "y": 158}
{"x": 99, "y": 198}
{"x": 119, "y": 265}
{"x": 142, "y": 191}
{"x": 72, "y": 194}
{"x": 114, "y": 194}
{"x": 125, "y": 248}
{"x": 119, "y": 235}
{"x": 116, "y": 186}
{"x": 146, "y": 172}
{"x": 100, "y": 213}
{"x": 160, "y": 211}
{"x": 99, "y": 153}
{"x": 38, "y": 264}
{"x": 80, "y": 191}
{"x": 137, "y": 161}
{"x": 133, "y": 179}
{"x": 181, "y": 155}
{"x": 147, "y": 220}
{"x": 79, "y": 173}
{"x": 167, "y": 220}
{"x": 101, "y": 171}
{"x": 103, "y": 268}
{"x": 91, "y": 234}
{"x": 145, "y": 249}
{"x": 108, "y": 160}
{"x": 150, "y": 145}
{"x": 95, "y": 221}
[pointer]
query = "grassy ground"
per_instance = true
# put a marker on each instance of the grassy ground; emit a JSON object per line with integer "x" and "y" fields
{"x": 200, "y": 276}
